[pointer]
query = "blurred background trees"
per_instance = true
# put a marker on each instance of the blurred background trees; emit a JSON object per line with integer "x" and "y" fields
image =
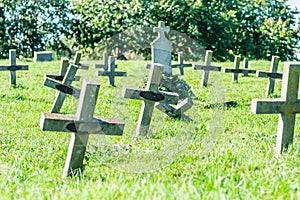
{"x": 257, "y": 29}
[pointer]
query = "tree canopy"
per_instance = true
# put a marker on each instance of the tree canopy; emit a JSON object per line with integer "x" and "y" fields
{"x": 254, "y": 28}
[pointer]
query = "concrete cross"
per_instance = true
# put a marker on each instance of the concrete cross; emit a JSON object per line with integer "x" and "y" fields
{"x": 64, "y": 87}
{"x": 271, "y": 75}
{"x": 207, "y": 67}
{"x": 111, "y": 73}
{"x": 105, "y": 62}
{"x": 161, "y": 49}
{"x": 287, "y": 106}
{"x": 180, "y": 64}
{"x": 81, "y": 125}
{"x": 236, "y": 71}
{"x": 149, "y": 96}
{"x": 177, "y": 111}
{"x": 13, "y": 67}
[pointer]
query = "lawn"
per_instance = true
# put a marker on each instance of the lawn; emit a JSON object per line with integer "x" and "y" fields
{"x": 221, "y": 154}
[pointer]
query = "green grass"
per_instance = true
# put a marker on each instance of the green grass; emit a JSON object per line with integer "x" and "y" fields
{"x": 223, "y": 154}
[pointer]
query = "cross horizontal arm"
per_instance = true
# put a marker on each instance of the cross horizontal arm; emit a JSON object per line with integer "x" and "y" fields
{"x": 68, "y": 123}
{"x": 13, "y": 67}
{"x": 60, "y": 77}
{"x": 182, "y": 65}
{"x": 54, "y": 84}
{"x": 207, "y": 68}
{"x": 269, "y": 75}
{"x": 250, "y": 71}
{"x": 134, "y": 93}
{"x": 106, "y": 73}
{"x": 81, "y": 66}
{"x": 272, "y": 106}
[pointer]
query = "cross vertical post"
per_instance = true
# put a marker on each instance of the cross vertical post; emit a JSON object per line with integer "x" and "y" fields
{"x": 237, "y": 60}
{"x": 13, "y": 61}
{"x": 245, "y": 66}
{"x": 273, "y": 69}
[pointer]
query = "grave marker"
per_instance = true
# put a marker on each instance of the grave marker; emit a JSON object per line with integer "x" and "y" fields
{"x": 177, "y": 111}
{"x": 236, "y": 71}
{"x": 13, "y": 67}
{"x": 150, "y": 95}
{"x": 64, "y": 87}
{"x": 161, "y": 49}
{"x": 271, "y": 75}
{"x": 207, "y": 67}
{"x": 180, "y": 64}
{"x": 42, "y": 56}
{"x": 111, "y": 73}
{"x": 81, "y": 125}
{"x": 245, "y": 66}
{"x": 287, "y": 106}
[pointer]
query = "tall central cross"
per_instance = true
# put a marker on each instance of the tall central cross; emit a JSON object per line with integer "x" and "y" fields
{"x": 13, "y": 67}
{"x": 161, "y": 49}
{"x": 287, "y": 106}
{"x": 150, "y": 95}
{"x": 81, "y": 125}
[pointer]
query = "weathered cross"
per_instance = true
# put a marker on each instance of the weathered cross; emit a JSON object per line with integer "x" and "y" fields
{"x": 81, "y": 125}
{"x": 111, "y": 73}
{"x": 105, "y": 62}
{"x": 150, "y": 95}
{"x": 64, "y": 87}
{"x": 161, "y": 49}
{"x": 246, "y": 66}
{"x": 271, "y": 75}
{"x": 180, "y": 64}
{"x": 287, "y": 106}
{"x": 207, "y": 67}
{"x": 236, "y": 71}
{"x": 13, "y": 67}
{"x": 177, "y": 111}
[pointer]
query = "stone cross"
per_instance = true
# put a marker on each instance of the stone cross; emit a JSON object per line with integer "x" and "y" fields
{"x": 236, "y": 71}
{"x": 105, "y": 62}
{"x": 180, "y": 64}
{"x": 177, "y": 111}
{"x": 64, "y": 87}
{"x": 13, "y": 67}
{"x": 161, "y": 49}
{"x": 286, "y": 106}
{"x": 149, "y": 96}
{"x": 207, "y": 67}
{"x": 271, "y": 75}
{"x": 81, "y": 125}
{"x": 111, "y": 73}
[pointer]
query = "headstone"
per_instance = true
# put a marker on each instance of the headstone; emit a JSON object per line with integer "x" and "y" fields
{"x": 105, "y": 62}
{"x": 42, "y": 56}
{"x": 149, "y": 96}
{"x": 287, "y": 106}
{"x": 207, "y": 67}
{"x": 177, "y": 111}
{"x": 81, "y": 125}
{"x": 64, "y": 87}
{"x": 236, "y": 71}
{"x": 161, "y": 49}
{"x": 13, "y": 67}
{"x": 180, "y": 64}
{"x": 272, "y": 75}
{"x": 111, "y": 73}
